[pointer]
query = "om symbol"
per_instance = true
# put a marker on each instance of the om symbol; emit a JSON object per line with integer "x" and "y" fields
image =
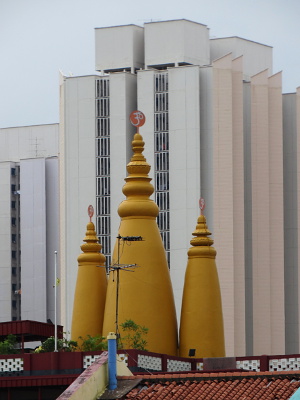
{"x": 137, "y": 118}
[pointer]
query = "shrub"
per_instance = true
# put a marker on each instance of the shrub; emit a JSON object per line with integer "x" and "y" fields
{"x": 135, "y": 335}
{"x": 62, "y": 345}
{"x": 93, "y": 343}
{"x": 7, "y": 346}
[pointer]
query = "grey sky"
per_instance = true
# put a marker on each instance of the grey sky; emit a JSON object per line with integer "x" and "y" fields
{"x": 40, "y": 37}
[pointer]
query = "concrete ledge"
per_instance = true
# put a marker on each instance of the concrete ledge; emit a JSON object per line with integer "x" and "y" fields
{"x": 91, "y": 383}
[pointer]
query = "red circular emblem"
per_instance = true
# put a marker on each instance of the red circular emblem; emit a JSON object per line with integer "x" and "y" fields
{"x": 137, "y": 118}
{"x": 202, "y": 204}
{"x": 90, "y": 211}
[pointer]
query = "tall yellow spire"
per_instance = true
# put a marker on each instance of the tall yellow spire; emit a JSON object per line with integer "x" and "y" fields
{"x": 90, "y": 291}
{"x": 145, "y": 295}
{"x": 201, "y": 325}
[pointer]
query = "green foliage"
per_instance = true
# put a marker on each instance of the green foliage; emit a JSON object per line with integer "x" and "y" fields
{"x": 62, "y": 345}
{"x": 135, "y": 335}
{"x": 93, "y": 343}
{"x": 7, "y": 346}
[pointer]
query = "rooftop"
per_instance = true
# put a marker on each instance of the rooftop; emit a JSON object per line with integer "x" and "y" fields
{"x": 216, "y": 385}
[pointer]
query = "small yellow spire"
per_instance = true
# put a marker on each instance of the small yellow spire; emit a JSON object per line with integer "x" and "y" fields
{"x": 145, "y": 295}
{"x": 90, "y": 291}
{"x": 138, "y": 188}
{"x": 201, "y": 239}
{"x": 201, "y": 325}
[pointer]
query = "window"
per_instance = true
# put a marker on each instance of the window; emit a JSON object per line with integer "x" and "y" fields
{"x": 103, "y": 186}
{"x": 163, "y": 220}
{"x": 161, "y": 155}
{"x": 161, "y": 101}
{"x": 13, "y": 171}
{"x": 162, "y": 161}
{"x": 103, "y": 166}
{"x": 162, "y": 200}
{"x": 161, "y": 142}
{"x": 13, "y": 221}
{"x": 13, "y": 204}
{"x": 102, "y": 107}
{"x": 103, "y": 126}
{"x": 14, "y": 238}
{"x": 13, "y": 188}
{"x": 162, "y": 181}
{"x": 102, "y": 88}
{"x": 13, "y": 254}
{"x": 103, "y": 146}
{"x": 161, "y": 82}
{"x": 105, "y": 242}
{"x": 161, "y": 122}
{"x": 103, "y": 225}
{"x": 103, "y": 205}
{"x": 165, "y": 235}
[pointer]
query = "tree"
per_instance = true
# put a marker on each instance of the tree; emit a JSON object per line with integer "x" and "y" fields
{"x": 62, "y": 345}
{"x": 7, "y": 346}
{"x": 93, "y": 343}
{"x": 135, "y": 335}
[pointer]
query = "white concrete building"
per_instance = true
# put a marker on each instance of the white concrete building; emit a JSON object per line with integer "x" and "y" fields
{"x": 29, "y": 218}
{"x": 215, "y": 123}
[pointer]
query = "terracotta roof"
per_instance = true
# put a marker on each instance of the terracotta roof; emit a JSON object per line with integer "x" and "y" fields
{"x": 229, "y": 386}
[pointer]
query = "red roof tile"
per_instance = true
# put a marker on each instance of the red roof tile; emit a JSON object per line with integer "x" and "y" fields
{"x": 229, "y": 386}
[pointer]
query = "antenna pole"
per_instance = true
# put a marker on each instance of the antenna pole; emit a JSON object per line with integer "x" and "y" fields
{"x": 117, "y": 268}
{"x": 117, "y": 289}
{"x": 117, "y": 303}
{"x": 55, "y": 301}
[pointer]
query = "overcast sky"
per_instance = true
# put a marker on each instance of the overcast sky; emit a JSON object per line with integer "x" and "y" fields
{"x": 40, "y": 37}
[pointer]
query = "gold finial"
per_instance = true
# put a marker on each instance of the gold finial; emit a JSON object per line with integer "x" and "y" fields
{"x": 201, "y": 205}
{"x": 91, "y": 244}
{"x": 90, "y": 212}
{"x": 137, "y": 118}
{"x": 201, "y": 232}
{"x": 138, "y": 188}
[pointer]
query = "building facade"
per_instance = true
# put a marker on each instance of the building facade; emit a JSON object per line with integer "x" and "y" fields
{"x": 217, "y": 126}
{"x": 29, "y": 221}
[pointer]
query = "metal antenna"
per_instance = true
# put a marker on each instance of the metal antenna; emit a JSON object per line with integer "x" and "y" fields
{"x": 125, "y": 267}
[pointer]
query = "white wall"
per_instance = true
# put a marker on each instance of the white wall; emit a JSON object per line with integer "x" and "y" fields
{"x": 5, "y": 241}
{"x": 123, "y": 89}
{"x": 228, "y": 197}
{"x": 78, "y": 189}
{"x": 145, "y": 96}
{"x": 178, "y": 41}
{"x": 20, "y": 143}
{"x": 184, "y": 137}
{"x": 28, "y": 142}
{"x": 52, "y": 234}
{"x": 256, "y": 56}
{"x": 206, "y": 142}
{"x": 119, "y": 47}
{"x": 33, "y": 239}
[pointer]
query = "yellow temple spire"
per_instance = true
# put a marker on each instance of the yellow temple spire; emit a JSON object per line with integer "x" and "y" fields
{"x": 201, "y": 325}
{"x": 145, "y": 295}
{"x": 90, "y": 290}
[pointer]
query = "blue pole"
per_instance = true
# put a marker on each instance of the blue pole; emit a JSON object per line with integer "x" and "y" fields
{"x": 112, "y": 361}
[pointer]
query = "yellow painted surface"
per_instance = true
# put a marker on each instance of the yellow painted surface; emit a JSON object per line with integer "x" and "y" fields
{"x": 89, "y": 386}
{"x": 90, "y": 291}
{"x": 93, "y": 387}
{"x": 201, "y": 325}
{"x": 145, "y": 295}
